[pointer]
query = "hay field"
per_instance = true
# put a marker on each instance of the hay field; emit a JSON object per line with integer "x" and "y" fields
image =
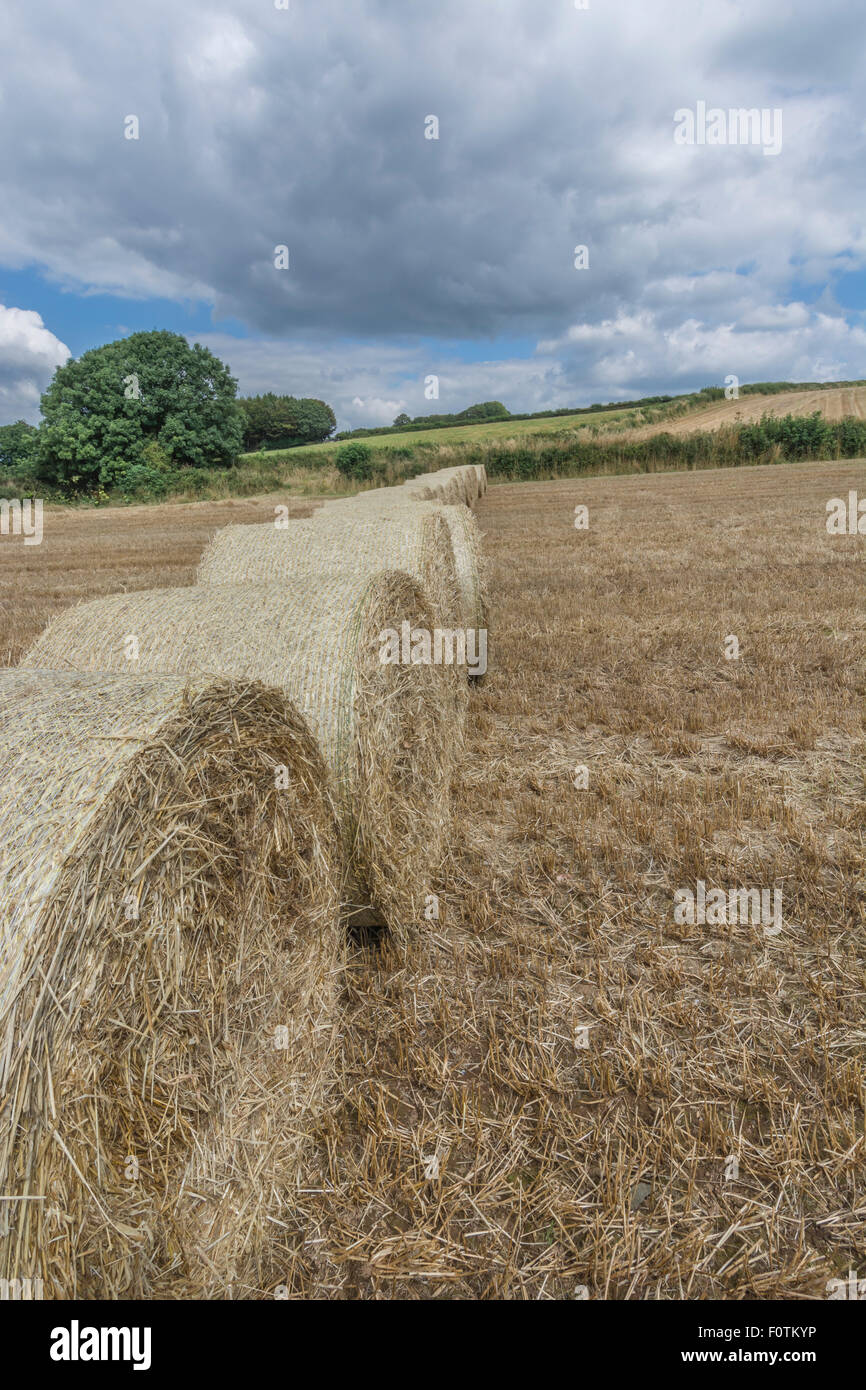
{"x": 832, "y": 404}
{"x": 544, "y": 1094}
{"x": 604, "y": 1167}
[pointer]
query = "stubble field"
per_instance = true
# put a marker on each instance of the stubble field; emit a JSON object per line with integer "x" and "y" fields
{"x": 558, "y": 1091}
{"x": 833, "y": 404}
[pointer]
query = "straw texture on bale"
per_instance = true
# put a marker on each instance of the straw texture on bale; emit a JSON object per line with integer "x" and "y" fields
{"x": 408, "y": 540}
{"x": 423, "y": 486}
{"x": 165, "y": 908}
{"x": 364, "y": 505}
{"x": 469, "y": 561}
{"x": 388, "y": 732}
{"x": 467, "y": 478}
{"x": 437, "y": 487}
{"x": 465, "y": 539}
{"x": 419, "y": 488}
{"x": 371, "y": 497}
{"x": 448, "y": 486}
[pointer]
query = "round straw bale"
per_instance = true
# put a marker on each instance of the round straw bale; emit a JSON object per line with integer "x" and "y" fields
{"x": 465, "y": 539}
{"x": 418, "y": 489}
{"x": 448, "y": 490}
{"x": 461, "y": 483}
{"x": 450, "y": 485}
{"x": 435, "y": 487}
{"x": 468, "y": 558}
{"x": 166, "y": 906}
{"x": 389, "y": 733}
{"x": 470, "y": 483}
{"x": 466, "y": 483}
{"x": 349, "y": 542}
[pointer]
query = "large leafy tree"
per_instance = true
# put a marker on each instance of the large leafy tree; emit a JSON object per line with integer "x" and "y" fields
{"x": 147, "y": 395}
{"x": 273, "y": 421}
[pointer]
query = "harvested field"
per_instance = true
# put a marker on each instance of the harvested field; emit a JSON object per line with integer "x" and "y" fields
{"x": 832, "y": 404}
{"x": 559, "y": 1087}
{"x": 481, "y": 1150}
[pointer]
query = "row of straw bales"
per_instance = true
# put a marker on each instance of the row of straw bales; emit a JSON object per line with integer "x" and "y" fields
{"x": 442, "y": 494}
{"x": 466, "y": 484}
{"x": 206, "y": 785}
{"x": 465, "y": 550}
{"x": 380, "y": 728}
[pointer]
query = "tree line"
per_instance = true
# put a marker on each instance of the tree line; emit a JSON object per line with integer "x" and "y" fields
{"x": 133, "y": 414}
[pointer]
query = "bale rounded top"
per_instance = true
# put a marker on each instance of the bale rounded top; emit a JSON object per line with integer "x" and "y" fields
{"x": 300, "y": 636}
{"x": 458, "y": 484}
{"x": 412, "y": 541}
{"x": 464, "y": 484}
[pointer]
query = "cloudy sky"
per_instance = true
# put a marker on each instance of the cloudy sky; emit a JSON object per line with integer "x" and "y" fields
{"x": 305, "y": 127}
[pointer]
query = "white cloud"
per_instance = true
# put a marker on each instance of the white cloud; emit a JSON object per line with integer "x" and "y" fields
{"x": 222, "y": 52}
{"x": 368, "y": 384}
{"x": 776, "y": 342}
{"x": 377, "y": 411}
{"x": 29, "y": 353}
